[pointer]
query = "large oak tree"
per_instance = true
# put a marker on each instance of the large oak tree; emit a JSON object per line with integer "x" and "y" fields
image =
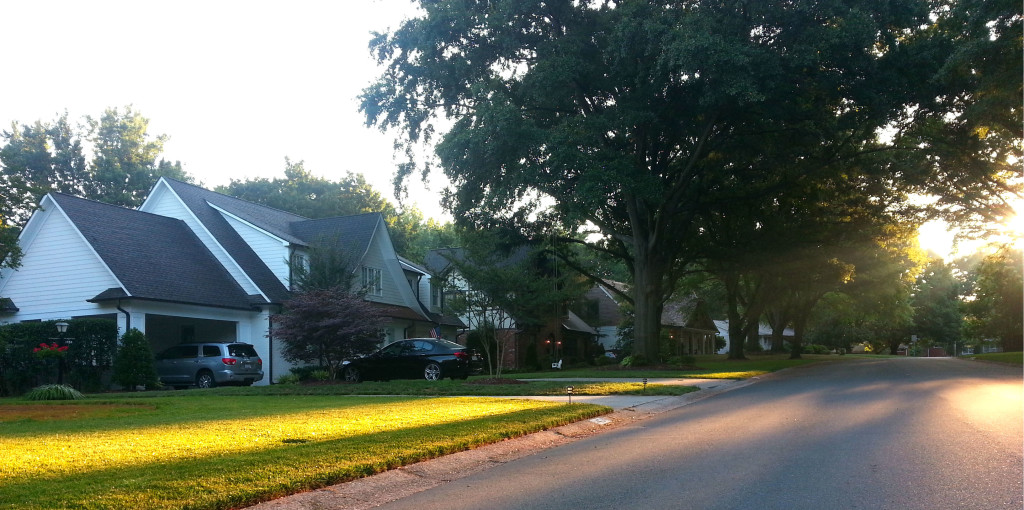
{"x": 645, "y": 120}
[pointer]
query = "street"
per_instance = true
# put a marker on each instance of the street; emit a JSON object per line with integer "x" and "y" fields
{"x": 868, "y": 434}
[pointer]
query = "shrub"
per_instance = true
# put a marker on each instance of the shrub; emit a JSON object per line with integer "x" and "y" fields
{"x": 292, "y": 378}
{"x": 54, "y": 392}
{"x": 682, "y": 361}
{"x": 133, "y": 364}
{"x": 635, "y": 360}
{"x": 816, "y": 349}
{"x": 320, "y": 375}
{"x": 305, "y": 372}
{"x": 87, "y": 361}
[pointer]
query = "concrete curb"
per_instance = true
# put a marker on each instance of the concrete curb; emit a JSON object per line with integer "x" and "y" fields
{"x": 398, "y": 483}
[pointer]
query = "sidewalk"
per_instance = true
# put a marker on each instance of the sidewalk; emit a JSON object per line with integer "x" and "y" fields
{"x": 395, "y": 484}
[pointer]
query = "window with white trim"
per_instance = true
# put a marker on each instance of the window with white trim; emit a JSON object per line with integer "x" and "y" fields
{"x": 372, "y": 282}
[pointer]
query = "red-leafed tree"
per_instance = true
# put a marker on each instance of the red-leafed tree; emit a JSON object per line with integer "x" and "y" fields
{"x": 328, "y": 320}
{"x": 328, "y": 327}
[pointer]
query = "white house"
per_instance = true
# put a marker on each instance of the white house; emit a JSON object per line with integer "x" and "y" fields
{"x": 764, "y": 335}
{"x": 191, "y": 264}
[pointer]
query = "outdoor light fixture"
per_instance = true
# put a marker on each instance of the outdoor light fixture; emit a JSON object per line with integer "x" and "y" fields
{"x": 645, "y": 385}
{"x": 62, "y": 327}
{"x": 568, "y": 391}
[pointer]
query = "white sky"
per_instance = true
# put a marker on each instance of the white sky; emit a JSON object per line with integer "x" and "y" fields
{"x": 236, "y": 85}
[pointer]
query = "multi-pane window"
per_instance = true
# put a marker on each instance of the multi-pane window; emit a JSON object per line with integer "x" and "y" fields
{"x": 372, "y": 281}
{"x": 435, "y": 296}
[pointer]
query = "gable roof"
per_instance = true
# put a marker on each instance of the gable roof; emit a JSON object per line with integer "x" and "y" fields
{"x": 353, "y": 234}
{"x": 141, "y": 263}
{"x": 201, "y": 203}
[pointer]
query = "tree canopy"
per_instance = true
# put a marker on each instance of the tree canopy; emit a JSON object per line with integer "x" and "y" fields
{"x": 648, "y": 121}
{"x": 112, "y": 159}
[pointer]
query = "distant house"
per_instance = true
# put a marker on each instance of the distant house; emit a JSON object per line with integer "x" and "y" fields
{"x": 685, "y": 321}
{"x": 191, "y": 264}
{"x": 562, "y": 336}
{"x": 764, "y": 335}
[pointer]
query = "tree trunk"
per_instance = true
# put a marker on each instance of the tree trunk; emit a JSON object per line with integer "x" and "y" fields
{"x": 736, "y": 329}
{"x": 799, "y": 325}
{"x": 778, "y": 320}
{"x": 647, "y": 305}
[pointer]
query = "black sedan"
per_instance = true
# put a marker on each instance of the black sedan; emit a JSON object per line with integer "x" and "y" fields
{"x": 414, "y": 358}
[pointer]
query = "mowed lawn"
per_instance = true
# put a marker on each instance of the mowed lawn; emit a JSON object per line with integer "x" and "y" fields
{"x": 232, "y": 447}
{"x": 195, "y": 450}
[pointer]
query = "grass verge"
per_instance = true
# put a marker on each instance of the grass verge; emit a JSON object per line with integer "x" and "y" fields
{"x": 1013, "y": 358}
{"x": 707, "y": 367}
{"x": 220, "y": 452}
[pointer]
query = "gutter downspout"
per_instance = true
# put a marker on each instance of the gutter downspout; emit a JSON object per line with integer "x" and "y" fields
{"x": 127, "y": 317}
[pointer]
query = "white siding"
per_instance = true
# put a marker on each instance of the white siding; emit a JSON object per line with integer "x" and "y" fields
{"x": 58, "y": 273}
{"x": 270, "y": 249}
{"x": 165, "y": 203}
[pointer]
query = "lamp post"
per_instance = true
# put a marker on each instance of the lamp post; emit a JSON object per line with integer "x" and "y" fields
{"x": 62, "y": 327}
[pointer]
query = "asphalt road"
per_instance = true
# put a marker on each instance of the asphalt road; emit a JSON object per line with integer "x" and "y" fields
{"x": 876, "y": 434}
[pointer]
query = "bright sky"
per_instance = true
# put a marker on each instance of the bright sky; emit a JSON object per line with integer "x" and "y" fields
{"x": 237, "y": 85}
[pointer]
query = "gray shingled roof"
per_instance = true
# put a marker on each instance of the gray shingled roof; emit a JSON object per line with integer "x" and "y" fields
{"x": 198, "y": 200}
{"x": 154, "y": 257}
{"x": 349, "y": 233}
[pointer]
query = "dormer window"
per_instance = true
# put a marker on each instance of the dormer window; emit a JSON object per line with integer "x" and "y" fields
{"x": 435, "y": 296}
{"x": 372, "y": 281}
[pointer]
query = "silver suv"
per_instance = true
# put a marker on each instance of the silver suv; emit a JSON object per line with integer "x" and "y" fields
{"x": 208, "y": 364}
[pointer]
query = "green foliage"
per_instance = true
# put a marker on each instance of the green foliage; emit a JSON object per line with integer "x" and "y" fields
{"x": 289, "y": 379}
{"x": 633, "y": 361}
{"x": 305, "y": 372}
{"x": 327, "y": 327}
{"x": 44, "y": 157}
{"x": 53, "y": 392}
{"x": 936, "y": 302}
{"x": 124, "y": 167}
{"x": 512, "y": 285}
{"x": 996, "y": 308}
{"x": 682, "y": 361}
{"x": 87, "y": 360}
{"x": 300, "y": 192}
{"x": 320, "y": 375}
{"x": 134, "y": 364}
{"x": 679, "y": 129}
{"x": 325, "y": 265}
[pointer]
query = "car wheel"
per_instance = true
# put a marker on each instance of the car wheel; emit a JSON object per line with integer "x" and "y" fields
{"x": 205, "y": 380}
{"x": 352, "y": 375}
{"x": 432, "y": 372}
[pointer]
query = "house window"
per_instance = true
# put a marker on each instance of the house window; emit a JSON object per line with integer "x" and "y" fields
{"x": 435, "y": 296}
{"x": 372, "y": 281}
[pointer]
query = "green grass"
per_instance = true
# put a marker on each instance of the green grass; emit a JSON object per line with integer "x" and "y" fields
{"x": 708, "y": 367}
{"x": 473, "y": 387}
{"x": 231, "y": 447}
{"x": 1014, "y": 358}
{"x": 202, "y": 450}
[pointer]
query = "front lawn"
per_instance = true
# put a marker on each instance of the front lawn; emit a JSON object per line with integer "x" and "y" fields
{"x": 203, "y": 450}
{"x": 475, "y": 386}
